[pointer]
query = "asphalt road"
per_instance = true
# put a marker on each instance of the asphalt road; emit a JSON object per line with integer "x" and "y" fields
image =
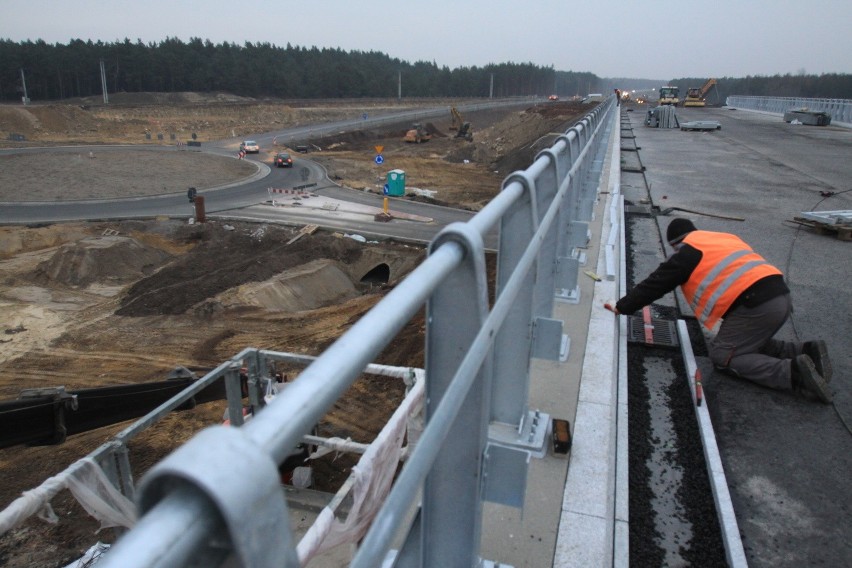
{"x": 787, "y": 460}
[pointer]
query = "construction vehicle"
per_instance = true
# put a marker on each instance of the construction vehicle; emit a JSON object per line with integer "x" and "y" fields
{"x": 695, "y": 96}
{"x": 461, "y": 127}
{"x": 417, "y": 134}
{"x": 457, "y": 118}
{"x": 669, "y": 95}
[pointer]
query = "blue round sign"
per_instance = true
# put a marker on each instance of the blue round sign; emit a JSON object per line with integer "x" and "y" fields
{"x": 379, "y": 159}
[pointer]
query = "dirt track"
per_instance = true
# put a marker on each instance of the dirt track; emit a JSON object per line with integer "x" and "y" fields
{"x": 125, "y": 302}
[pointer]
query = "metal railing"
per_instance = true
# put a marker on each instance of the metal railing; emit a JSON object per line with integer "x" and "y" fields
{"x": 839, "y": 109}
{"x": 218, "y": 495}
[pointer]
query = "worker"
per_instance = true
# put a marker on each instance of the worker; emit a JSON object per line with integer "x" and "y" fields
{"x": 725, "y": 281}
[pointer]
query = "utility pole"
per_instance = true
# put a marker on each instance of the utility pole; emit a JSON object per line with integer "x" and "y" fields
{"x": 25, "y": 98}
{"x": 491, "y": 88}
{"x": 399, "y": 85}
{"x": 104, "y": 83}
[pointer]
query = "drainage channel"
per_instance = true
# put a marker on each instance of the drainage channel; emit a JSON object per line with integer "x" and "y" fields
{"x": 672, "y": 507}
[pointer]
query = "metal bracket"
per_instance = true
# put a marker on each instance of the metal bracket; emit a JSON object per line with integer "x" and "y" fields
{"x": 505, "y": 472}
{"x": 548, "y": 340}
{"x": 241, "y": 481}
{"x": 530, "y": 435}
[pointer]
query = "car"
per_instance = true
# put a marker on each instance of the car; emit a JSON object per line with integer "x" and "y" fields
{"x": 302, "y": 149}
{"x": 553, "y": 98}
{"x": 282, "y": 160}
{"x": 249, "y": 147}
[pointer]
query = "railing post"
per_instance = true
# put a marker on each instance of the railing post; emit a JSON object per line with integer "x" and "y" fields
{"x": 513, "y": 344}
{"x": 234, "y": 394}
{"x": 452, "y": 506}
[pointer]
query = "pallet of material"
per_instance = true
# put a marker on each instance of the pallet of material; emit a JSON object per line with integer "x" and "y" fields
{"x": 810, "y": 117}
{"x": 701, "y": 125}
{"x": 838, "y": 223}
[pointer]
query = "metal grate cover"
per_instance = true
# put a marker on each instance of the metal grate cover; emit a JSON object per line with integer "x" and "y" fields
{"x": 663, "y": 332}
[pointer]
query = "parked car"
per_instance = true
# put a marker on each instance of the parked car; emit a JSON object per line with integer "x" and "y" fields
{"x": 249, "y": 147}
{"x": 282, "y": 160}
{"x": 302, "y": 149}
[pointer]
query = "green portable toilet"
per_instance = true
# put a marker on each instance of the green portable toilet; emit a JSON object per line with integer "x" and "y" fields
{"x": 396, "y": 183}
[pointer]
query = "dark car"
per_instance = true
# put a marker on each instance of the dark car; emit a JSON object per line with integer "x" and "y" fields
{"x": 282, "y": 160}
{"x": 302, "y": 149}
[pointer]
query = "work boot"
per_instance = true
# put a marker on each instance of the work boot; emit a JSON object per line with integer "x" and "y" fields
{"x": 818, "y": 352}
{"x": 806, "y": 378}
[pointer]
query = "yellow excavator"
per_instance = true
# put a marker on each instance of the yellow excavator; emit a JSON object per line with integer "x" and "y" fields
{"x": 695, "y": 96}
{"x": 461, "y": 127}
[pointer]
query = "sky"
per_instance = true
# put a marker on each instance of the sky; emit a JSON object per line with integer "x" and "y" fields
{"x": 649, "y": 39}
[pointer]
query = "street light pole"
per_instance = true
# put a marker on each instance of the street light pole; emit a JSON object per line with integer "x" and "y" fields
{"x": 24, "y": 84}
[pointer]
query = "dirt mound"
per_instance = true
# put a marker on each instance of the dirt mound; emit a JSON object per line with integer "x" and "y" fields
{"x": 16, "y": 240}
{"x": 309, "y": 286}
{"x": 105, "y": 260}
{"x": 225, "y": 259}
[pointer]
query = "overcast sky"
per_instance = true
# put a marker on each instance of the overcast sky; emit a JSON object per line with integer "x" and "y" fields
{"x": 650, "y": 39}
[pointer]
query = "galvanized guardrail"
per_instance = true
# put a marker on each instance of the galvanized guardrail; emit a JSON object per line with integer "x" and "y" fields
{"x": 218, "y": 495}
{"x": 839, "y": 109}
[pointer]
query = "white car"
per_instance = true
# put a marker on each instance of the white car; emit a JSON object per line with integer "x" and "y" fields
{"x": 249, "y": 147}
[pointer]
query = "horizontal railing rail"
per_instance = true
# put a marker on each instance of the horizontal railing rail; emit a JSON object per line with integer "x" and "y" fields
{"x": 839, "y": 109}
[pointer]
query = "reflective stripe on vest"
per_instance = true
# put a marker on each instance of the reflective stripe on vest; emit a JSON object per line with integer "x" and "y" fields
{"x": 726, "y": 284}
{"x": 727, "y": 268}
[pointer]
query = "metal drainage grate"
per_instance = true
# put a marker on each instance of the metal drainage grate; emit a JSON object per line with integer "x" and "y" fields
{"x": 663, "y": 332}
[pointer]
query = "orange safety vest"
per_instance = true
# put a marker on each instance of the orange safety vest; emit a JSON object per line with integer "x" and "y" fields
{"x": 727, "y": 268}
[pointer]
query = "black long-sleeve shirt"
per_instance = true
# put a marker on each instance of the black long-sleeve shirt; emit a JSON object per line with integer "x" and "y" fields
{"x": 676, "y": 270}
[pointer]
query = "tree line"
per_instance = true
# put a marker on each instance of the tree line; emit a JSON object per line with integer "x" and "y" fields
{"x": 59, "y": 71}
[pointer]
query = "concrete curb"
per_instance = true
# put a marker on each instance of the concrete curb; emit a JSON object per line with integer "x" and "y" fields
{"x": 587, "y": 528}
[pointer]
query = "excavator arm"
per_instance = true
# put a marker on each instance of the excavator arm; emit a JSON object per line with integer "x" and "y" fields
{"x": 706, "y": 88}
{"x": 457, "y": 119}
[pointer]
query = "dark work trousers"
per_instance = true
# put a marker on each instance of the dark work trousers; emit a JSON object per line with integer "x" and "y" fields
{"x": 744, "y": 346}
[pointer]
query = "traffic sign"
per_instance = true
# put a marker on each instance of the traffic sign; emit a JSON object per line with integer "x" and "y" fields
{"x": 386, "y": 189}
{"x": 379, "y": 160}
{"x": 379, "y": 149}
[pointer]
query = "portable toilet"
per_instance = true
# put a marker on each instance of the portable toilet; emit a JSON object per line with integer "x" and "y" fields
{"x": 396, "y": 182}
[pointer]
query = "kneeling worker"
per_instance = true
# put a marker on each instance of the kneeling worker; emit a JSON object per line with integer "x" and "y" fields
{"x": 723, "y": 279}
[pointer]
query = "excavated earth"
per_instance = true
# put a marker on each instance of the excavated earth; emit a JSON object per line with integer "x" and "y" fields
{"x": 95, "y": 304}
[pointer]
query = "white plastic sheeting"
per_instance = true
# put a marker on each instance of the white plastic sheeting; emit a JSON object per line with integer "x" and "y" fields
{"x": 372, "y": 477}
{"x": 89, "y": 485}
{"x": 371, "y": 480}
{"x": 91, "y": 557}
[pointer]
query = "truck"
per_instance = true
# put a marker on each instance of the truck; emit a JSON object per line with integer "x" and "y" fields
{"x": 669, "y": 95}
{"x": 695, "y": 95}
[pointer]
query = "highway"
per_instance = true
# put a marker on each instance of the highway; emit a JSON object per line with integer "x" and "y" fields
{"x": 787, "y": 459}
